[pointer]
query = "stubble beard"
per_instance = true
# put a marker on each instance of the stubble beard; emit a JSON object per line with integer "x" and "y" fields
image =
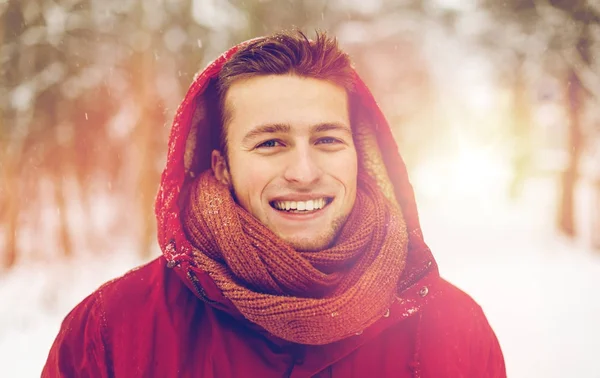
{"x": 320, "y": 242}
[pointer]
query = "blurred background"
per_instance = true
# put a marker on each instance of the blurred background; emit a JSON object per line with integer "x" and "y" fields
{"x": 494, "y": 105}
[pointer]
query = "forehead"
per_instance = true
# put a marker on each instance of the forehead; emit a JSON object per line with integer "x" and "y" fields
{"x": 300, "y": 102}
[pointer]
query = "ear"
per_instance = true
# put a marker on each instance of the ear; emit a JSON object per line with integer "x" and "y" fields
{"x": 220, "y": 168}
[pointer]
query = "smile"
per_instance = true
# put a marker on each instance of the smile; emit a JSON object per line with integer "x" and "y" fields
{"x": 301, "y": 206}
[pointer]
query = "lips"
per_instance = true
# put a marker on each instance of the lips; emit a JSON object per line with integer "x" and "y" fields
{"x": 301, "y": 206}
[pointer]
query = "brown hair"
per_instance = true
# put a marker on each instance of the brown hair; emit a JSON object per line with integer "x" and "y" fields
{"x": 287, "y": 52}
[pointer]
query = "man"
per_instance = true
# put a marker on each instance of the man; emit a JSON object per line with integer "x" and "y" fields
{"x": 291, "y": 242}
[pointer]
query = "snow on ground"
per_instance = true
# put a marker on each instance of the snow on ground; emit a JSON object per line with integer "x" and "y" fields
{"x": 540, "y": 292}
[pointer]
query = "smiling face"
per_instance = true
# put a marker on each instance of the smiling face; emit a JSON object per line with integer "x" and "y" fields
{"x": 291, "y": 157}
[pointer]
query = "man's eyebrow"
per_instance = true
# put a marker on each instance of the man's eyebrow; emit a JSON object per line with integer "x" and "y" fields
{"x": 285, "y": 128}
{"x": 322, "y": 127}
{"x": 266, "y": 129}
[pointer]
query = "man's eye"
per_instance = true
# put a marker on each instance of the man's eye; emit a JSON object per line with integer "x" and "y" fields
{"x": 269, "y": 144}
{"x": 327, "y": 140}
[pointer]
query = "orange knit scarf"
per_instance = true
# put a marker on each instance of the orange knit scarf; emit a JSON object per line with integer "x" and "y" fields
{"x": 305, "y": 297}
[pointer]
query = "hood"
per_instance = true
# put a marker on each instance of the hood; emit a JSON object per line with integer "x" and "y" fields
{"x": 189, "y": 153}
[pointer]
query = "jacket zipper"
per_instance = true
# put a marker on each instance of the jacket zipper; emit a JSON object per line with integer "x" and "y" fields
{"x": 199, "y": 290}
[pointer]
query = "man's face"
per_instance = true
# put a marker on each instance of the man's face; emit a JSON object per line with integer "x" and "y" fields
{"x": 292, "y": 160}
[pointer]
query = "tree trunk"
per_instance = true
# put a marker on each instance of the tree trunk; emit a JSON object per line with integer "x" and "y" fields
{"x": 10, "y": 217}
{"x": 596, "y": 214}
{"x": 521, "y": 159}
{"x": 12, "y": 130}
{"x": 147, "y": 131}
{"x": 568, "y": 179}
{"x": 64, "y": 232}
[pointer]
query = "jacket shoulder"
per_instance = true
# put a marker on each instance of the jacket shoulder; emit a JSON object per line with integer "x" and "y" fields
{"x": 455, "y": 301}
{"x": 134, "y": 286}
{"x": 453, "y": 328}
{"x": 80, "y": 347}
{"x": 83, "y": 344}
{"x": 453, "y": 313}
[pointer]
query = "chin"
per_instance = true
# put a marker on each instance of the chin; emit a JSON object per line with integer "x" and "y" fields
{"x": 303, "y": 245}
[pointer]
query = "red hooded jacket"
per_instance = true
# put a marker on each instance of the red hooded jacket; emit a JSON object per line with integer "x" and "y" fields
{"x": 165, "y": 320}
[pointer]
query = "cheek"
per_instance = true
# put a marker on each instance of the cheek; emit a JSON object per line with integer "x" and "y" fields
{"x": 250, "y": 178}
{"x": 345, "y": 169}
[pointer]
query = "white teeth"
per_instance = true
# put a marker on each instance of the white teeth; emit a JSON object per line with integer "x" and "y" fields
{"x": 309, "y": 205}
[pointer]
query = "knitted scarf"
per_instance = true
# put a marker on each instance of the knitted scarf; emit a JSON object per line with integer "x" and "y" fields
{"x": 304, "y": 297}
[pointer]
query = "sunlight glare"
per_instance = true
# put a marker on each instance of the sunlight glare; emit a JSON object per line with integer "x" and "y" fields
{"x": 475, "y": 173}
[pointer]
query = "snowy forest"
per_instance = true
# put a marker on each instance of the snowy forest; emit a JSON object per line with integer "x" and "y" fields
{"x": 494, "y": 105}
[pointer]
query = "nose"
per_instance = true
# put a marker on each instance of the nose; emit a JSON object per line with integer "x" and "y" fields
{"x": 302, "y": 166}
